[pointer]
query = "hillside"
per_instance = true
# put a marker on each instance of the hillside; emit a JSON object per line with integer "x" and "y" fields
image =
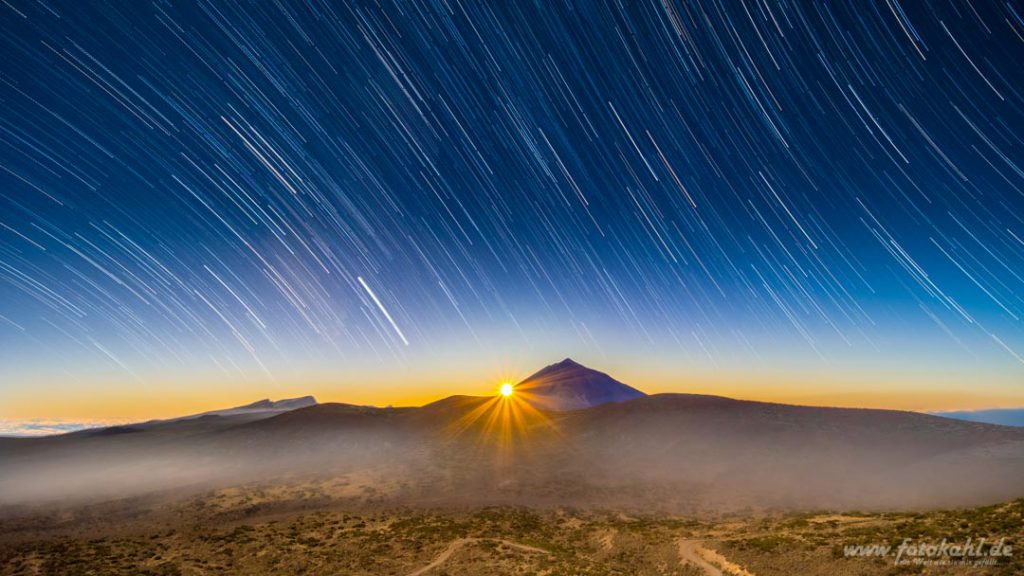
{"x": 672, "y": 451}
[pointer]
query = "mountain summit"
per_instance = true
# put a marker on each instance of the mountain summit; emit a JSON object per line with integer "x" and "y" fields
{"x": 256, "y": 411}
{"x": 285, "y": 404}
{"x": 569, "y": 385}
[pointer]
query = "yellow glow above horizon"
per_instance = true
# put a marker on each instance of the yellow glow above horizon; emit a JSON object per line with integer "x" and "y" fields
{"x": 506, "y": 389}
{"x": 919, "y": 386}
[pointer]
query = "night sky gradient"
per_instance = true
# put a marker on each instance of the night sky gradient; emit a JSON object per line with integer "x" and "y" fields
{"x": 262, "y": 191}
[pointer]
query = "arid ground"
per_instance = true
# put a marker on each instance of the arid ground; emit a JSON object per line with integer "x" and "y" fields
{"x": 346, "y": 526}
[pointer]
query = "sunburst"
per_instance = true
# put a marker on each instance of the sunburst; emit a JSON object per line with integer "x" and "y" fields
{"x": 505, "y": 424}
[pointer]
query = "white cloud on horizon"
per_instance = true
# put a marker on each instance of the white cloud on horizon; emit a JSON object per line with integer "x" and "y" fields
{"x": 49, "y": 427}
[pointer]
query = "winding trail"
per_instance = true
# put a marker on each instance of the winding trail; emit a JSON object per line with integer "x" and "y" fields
{"x": 443, "y": 556}
{"x": 692, "y": 552}
{"x": 708, "y": 560}
{"x": 458, "y": 543}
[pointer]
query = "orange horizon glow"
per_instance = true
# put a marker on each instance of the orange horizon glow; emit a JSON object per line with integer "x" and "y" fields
{"x": 167, "y": 398}
{"x": 138, "y": 409}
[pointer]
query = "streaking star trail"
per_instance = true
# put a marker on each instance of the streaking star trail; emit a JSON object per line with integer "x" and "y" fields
{"x": 272, "y": 191}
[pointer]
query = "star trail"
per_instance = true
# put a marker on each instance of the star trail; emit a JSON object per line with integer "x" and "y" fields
{"x": 252, "y": 189}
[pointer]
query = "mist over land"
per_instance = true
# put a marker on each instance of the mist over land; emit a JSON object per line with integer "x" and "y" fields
{"x": 568, "y": 470}
{"x": 568, "y": 436}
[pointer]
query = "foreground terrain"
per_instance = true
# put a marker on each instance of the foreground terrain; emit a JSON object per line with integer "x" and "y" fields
{"x": 343, "y": 526}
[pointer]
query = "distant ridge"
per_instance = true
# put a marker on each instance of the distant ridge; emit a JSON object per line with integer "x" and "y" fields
{"x": 255, "y": 411}
{"x": 268, "y": 404}
{"x": 568, "y": 385}
{"x": 265, "y": 405}
{"x": 1003, "y": 416}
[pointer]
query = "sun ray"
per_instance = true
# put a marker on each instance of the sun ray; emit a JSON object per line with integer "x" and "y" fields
{"x": 507, "y": 424}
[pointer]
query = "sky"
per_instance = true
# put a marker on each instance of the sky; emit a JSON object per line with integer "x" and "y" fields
{"x": 206, "y": 203}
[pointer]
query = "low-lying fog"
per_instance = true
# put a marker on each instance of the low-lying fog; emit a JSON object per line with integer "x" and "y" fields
{"x": 670, "y": 451}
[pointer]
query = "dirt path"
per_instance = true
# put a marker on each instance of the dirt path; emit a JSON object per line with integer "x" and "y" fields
{"x": 710, "y": 561}
{"x": 443, "y": 556}
{"x": 524, "y": 547}
{"x": 458, "y": 543}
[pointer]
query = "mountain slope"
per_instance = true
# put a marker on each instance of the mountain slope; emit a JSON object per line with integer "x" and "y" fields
{"x": 212, "y": 419}
{"x": 731, "y": 453}
{"x": 568, "y": 385}
{"x": 266, "y": 407}
{"x": 683, "y": 452}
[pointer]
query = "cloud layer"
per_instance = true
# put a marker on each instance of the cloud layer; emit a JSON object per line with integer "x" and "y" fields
{"x": 47, "y": 427}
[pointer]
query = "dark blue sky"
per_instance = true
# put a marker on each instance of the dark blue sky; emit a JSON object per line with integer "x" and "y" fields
{"x": 268, "y": 189}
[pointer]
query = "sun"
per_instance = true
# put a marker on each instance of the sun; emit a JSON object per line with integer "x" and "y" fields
{"x": 506, "y": 389}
